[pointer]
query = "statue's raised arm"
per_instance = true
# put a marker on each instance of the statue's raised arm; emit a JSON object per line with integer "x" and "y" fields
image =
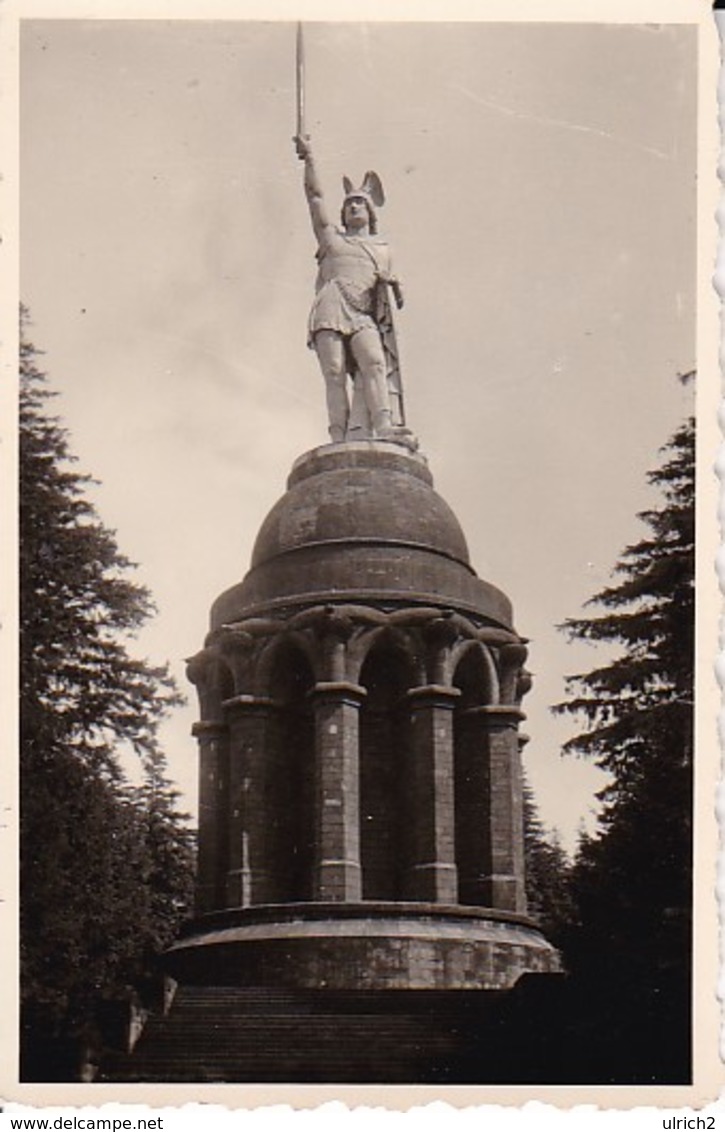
{"x": 350, "y": 325}
{"x": 313, "y": 188}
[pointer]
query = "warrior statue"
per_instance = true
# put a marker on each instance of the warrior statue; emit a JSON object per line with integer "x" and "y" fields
{"x": 350, "y": 325}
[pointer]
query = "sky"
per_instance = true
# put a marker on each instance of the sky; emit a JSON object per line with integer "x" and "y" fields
{"x": 540, "y": 183}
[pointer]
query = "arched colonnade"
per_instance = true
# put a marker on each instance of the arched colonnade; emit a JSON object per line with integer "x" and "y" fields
{"x": 350, "y": 754}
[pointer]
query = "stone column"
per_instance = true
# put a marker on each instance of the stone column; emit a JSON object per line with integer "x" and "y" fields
{"x": 250, "y": 878}
{"x": 337, "y": 873}
{"x": 213, "y": 738}
{"x": 506, "y": 820}
{"x": 429, "y": 808}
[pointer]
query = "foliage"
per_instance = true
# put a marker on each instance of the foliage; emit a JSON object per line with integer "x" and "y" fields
{"x": 80, "y": 687}
{"x": 547, "y": 875}
{"x": 106, "y": 865}
{"x": 633, "y": 882}
{"x": 632, "y": 704}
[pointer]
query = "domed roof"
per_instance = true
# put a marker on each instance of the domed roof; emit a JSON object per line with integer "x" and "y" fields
{"x": 357, "y": 493}
{"x": 360, "y": 522}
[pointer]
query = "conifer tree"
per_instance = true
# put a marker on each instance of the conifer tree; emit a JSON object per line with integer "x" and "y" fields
{"x": 548, "y": 872}
{"x": 633, "y": 880}
{"x": 106, "y": 865}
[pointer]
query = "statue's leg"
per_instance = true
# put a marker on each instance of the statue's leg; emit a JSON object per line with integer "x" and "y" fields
{"x": 331, "y": 354}
{"x": 367, "y": 350}
{"x": 359, "y": 426}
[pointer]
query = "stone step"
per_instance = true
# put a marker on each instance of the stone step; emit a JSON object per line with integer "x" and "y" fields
{"x": 260, "y": 1034}
{"x": 261, "y": 1000}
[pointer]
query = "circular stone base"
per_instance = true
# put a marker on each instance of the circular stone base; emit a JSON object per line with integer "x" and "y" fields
{"x": 371, "y": 946}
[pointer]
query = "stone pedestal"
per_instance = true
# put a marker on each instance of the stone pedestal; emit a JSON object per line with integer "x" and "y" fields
{"x": 361, "y": 947}
{"x": 361, "y": 677}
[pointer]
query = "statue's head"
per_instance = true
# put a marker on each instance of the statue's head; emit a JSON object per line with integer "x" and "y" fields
{"x": 355, "y": 205}
{"x": 370, "y": 194}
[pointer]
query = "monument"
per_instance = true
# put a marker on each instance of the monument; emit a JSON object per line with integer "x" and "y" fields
{"x": 360, "y": 789}
{"x": 360, "y": 786}
{"x": 360, "y": 814}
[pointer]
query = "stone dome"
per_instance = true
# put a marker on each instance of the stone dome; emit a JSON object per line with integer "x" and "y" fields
{"x": 336, "y": 496}
{"x": 361, "y": 522}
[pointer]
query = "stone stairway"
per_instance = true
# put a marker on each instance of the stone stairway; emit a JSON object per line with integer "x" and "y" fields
{"x": 260, "y": 1034}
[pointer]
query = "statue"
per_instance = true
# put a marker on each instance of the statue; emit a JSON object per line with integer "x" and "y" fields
{"x": 350, "y": 324}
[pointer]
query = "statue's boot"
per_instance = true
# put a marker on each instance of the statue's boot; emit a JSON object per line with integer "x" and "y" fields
{"x": 383, "y": 424}
{"x": 400, "y": 435}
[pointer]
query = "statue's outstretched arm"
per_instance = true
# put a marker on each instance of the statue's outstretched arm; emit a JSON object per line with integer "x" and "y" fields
{"x": 313, "y": 189}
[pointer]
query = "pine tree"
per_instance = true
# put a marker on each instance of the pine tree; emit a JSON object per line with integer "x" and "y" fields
{"x": 633, "y": 882}
{"x": 548, "y": 872}
{"x": 79, "y": 686}
{"x": 106, "y": 865}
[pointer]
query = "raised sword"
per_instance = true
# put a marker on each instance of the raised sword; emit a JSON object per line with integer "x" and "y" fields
{"x": 300, "y": 70}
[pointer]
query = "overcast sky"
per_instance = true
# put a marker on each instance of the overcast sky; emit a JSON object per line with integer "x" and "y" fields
{"x": 541, "y": 209}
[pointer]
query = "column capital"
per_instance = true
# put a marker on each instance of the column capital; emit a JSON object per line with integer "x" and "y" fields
{"x": 338, "y": 691}
{"x": 433, "y": 695}
{"x": 496, "y": 715}
{"x": 197, "y": 666}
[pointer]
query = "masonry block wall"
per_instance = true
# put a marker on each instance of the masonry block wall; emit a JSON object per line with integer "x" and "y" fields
{"x": 360, "y": 698}
{"x": 360, "y": 692}
{"x": 379, "y": 786}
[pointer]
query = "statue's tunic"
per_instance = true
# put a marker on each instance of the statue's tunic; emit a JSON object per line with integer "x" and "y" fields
{"x": 346, "y": 288}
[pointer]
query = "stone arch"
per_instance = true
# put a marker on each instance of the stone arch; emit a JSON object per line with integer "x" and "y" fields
{"x": 235, "y": 650}
{"x": 474, "y": 676}
{"x": 288, "y": 806}
{"x": 387, "y": 674}
{"x": 388, "y": 637}
{"x": 267, "y": 662}
{"x": 471, "y": 662}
